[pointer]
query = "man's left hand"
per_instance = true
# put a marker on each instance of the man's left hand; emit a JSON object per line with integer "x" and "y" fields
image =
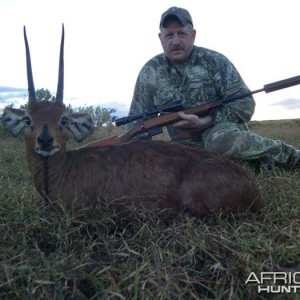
{"x": 192, "y": 121}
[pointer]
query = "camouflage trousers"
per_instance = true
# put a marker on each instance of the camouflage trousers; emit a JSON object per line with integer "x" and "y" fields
{"x": 236, "y": 142}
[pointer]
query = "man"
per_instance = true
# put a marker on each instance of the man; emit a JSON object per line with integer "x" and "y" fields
{"x": 195, "y": 75}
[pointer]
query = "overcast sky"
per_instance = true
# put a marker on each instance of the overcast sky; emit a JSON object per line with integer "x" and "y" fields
{"x": 107, "y": 43}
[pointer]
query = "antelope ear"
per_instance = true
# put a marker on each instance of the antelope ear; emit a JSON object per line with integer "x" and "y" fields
{"x": 81, "y": 125}
{"x": 13, "y": 119}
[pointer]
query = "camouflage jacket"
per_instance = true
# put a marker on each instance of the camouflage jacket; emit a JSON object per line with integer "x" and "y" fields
{"x": 205, "y": 77}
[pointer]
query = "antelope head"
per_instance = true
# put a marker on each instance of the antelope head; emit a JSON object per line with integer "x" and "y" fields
{"x": 46, "y": 123}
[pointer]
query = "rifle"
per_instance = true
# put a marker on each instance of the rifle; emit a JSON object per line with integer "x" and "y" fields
{"x": 152, "y": 122}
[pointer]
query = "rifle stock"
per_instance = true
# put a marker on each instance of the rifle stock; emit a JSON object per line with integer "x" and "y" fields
{"x": 167, "y": 119}
{"x": 115, "y": 139}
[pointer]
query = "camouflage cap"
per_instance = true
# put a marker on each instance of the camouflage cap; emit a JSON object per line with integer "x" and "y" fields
{"x": 179, "y": 13}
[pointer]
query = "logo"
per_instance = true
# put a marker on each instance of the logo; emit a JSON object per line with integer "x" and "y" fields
{"x": 275, "y": 282}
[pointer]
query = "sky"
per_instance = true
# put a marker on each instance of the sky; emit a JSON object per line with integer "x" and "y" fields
{"x": 108, "y": 42}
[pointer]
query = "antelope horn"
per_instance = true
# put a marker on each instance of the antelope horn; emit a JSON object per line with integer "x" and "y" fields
{"x": 60, "y": 84}
{"x": 31, "y": 90}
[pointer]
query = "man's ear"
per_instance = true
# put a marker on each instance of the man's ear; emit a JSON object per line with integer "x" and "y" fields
{"x": 13, "y": 119}
{"x": 81, "y": 125}
{"x": 160, "y": 37}
{"x": 194, "y": 34}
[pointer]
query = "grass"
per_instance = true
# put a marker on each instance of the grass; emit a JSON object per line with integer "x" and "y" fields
{"x": 48, "y": 253}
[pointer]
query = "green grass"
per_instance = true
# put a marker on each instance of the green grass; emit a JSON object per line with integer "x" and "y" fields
{"x": 48, "y": 253}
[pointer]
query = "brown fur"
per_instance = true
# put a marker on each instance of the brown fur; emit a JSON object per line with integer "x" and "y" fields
{"x": 151, "y": 174}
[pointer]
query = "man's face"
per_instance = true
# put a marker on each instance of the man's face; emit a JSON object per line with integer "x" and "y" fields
{"x": 177, "y": 41}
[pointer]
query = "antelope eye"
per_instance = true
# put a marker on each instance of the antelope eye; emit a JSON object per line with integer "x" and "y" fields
{"x": 64, "y": 121}
{"x": 27, "y": 121}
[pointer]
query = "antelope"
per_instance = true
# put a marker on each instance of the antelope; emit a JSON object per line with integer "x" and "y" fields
{"x": 149, "y": 174}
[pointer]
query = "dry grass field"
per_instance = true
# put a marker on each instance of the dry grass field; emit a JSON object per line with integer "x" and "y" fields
{"x": 60, "y": 253}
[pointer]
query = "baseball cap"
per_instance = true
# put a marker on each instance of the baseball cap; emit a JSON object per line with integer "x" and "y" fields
{"x": 181, "y": 14}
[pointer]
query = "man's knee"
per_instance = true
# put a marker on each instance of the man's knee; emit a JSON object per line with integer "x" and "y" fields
{"x": 225, "y": 143}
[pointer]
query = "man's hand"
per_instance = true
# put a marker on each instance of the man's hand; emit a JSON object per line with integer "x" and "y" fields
{"x": 192, "y": 121}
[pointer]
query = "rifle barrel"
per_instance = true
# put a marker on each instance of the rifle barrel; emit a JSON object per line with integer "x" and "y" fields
{"x": 282, "y": 84}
